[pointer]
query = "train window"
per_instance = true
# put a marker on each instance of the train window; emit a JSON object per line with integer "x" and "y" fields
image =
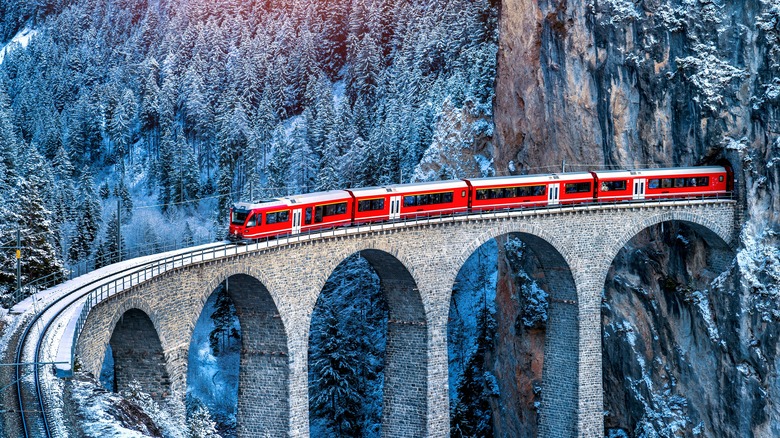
{"x": 482, "y": 194}
{"x": 239, "y": 217}
{"x": 435, "y": 198}
{"x": 308, "y": 215}
{"x": 410, "y": 201}
{"x": 318, "y": 214}
{"x": 252, "y": 222}
{"x": 679, "y": 182}
{"x": 720, "y": 178}
{"x": 283, "y": 216}
{"x": 447, "y": 197}
{"x": 666, "y": 183}
{"x": 334, "y": 209}
{"x": 702, "y": 181}
{"x": 277, "y": 217}
{"x": 653, "y": 183}
{"x": 608, "y": 186}
{"x": 270, "y": 218}
{"x": 578, "y": 187}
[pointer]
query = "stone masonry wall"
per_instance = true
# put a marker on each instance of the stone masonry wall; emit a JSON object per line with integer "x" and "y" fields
{"x": 417, "y": 265}
{"x": 138, "y": 355}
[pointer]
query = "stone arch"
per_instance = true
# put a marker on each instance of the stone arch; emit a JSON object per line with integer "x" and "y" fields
{"x": 405, "y": 400}
{"x": 560, "y": 370}
{"x": 718, "y": 236}
{"x": 138, "y": 351}
{"x": 264, "y": 368}
{"x": 656, "y": 318}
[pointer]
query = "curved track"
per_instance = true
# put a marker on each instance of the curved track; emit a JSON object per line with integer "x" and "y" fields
{"x": 29, "y": 337}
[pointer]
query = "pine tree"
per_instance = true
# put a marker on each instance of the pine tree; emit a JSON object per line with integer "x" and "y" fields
{"x": 224, "y": 318}
{"x": 472, "y": 414}
{"x": 200, "y": 424}
{"x": 38, "y": 233}
{"x": 279, "y": 167}
{"x": 332, "y": 394}
{"x": 126, "y": 201}
{"x": 89, "y": 218}
{"x": 187, "y": 237}
{"x": 113, "y": 240}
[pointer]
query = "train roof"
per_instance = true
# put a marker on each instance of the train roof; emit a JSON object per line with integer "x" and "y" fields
{"x": 427, "y": 186}
{"x": 528, "y": 179}
{"x": 667, "y": 171}
{"x": 369, "y": 191}
{"x": 308, "y": 198}
{"x": 292, "y": 200}
{"x": 408, "y": 188}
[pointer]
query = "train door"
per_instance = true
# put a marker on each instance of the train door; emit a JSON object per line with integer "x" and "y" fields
{"x": 296, "y": 224}
{"x": 395, "y": 207}
{"x": 639, "y": 188}
{"x": 553, "y": 194}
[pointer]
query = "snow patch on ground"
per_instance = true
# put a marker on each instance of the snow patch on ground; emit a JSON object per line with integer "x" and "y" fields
{"x": 21, "y": 39}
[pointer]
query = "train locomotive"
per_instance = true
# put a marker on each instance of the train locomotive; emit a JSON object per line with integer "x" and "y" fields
{"x": 339, "y": 208}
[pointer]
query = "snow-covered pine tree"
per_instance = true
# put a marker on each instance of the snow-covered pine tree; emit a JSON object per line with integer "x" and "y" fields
{"x": 187, "y": 236}
{"x": 279, "y": 167}
{"x": 126, "y": 201}
{"x": 224, "y": 333}
{"x": 89, "y": 218}
{"x": 199, "y": 421}
{"x": 333, "y": 394}
{"x": 472, "y": 415}
{"x": 184, "y": 185}
{"x": 39, "y": 257}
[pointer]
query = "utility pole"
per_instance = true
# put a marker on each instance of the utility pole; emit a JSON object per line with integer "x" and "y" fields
{"x": 119, "y": 229}
{"x": 18, "y": 260}
{"x": 18, "y": 251}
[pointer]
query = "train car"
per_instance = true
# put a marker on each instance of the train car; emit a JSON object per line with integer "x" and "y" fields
{"x": 290, "y": 215}
{"x": 530, "y": 190}
{"x": 681, "y": 182}
{"x": 372, "y": 204}
{"x": 427, "y": 199}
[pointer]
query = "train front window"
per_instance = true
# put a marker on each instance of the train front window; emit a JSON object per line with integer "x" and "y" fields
{"x": 252, "y": 221}
{"x": 239, "y": 217}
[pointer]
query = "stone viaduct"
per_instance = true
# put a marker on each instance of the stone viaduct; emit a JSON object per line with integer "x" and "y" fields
{"x": 150, "y": 325}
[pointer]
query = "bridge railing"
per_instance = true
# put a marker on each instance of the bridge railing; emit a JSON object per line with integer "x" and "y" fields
{"x": 88, "y": 265}
{"x": 139, "y": 274}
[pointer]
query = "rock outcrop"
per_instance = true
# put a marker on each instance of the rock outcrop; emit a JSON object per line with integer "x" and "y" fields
{"x": 615, "y": 83}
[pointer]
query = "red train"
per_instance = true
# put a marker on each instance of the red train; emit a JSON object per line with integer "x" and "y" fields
{"x": 339, "y": 208}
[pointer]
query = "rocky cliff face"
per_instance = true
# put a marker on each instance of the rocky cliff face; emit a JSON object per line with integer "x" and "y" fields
{"x": 662, "y": 83}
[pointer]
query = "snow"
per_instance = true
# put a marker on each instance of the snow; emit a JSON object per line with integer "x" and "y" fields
{"x": 710, "y": 75}
{"x": 21, "y": 39}
{"x": 97, "y": 410}
{"x": 702, "y": 303}
{"x": 622, "y": 11}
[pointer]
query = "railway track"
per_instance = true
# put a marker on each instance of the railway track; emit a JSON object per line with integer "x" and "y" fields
{"x": 32, "y": 405}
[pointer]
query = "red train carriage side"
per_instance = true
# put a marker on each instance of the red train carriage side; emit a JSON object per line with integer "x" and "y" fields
{"x": 626, "y": 185}
{"x": 530, "y": 190}
{"x": 291, "y": 215}
{"x": 428, "y": 199}
{"x": 371, "y": 204}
